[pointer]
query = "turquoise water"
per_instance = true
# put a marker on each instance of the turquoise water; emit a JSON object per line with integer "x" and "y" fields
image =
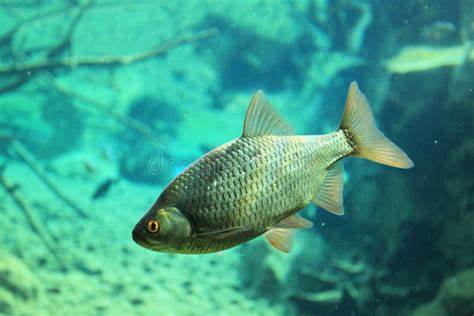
{"x": 102, "y": 103}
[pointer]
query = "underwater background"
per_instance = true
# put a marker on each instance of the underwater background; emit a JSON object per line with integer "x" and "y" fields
{"x": 102, "y": 103}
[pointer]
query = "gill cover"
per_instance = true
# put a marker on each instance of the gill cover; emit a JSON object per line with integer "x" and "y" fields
{"x": 173, "y": 224}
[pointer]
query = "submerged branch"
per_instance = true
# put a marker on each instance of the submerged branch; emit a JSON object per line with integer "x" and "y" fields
{"x": 8, "y": 36}
{"x": 15, "y": 83}
{"x": 105, "y": 61}
{"x": 36, "y": 226}
{"x": 66, "y": 43}
{"x": 36, "y": 167}
{"x": 19, "y": 79}
{"x": 126, "y": 120}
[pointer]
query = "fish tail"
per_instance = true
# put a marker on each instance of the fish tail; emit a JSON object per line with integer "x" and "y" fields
{"x": 365, "y": 138}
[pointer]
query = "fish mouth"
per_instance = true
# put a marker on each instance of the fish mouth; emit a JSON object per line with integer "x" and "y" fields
{"x": 139, "y": 239}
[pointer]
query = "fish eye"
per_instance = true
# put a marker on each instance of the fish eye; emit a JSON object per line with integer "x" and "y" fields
{"x": 153, "y": 226}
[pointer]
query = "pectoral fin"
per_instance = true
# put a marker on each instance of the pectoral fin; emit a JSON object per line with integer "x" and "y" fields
{"x": 329, "y": 196}
{"x": 223, "y": 233}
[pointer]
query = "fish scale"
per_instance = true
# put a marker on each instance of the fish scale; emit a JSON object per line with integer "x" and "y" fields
{"x": 271, "y": 165}
{"x": 293, "y": 163}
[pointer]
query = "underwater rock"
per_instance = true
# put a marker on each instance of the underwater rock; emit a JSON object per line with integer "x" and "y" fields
{"x": 242, "y": 67}
{"x": 266, "y": 272}
{"x": 156, "y": 113}
{"x": 67, "y": 125}
{"x": 261, "y": 273}
{"x": 17, "y": 282}
{"x": 147, "y": 164}
{"x": 457, "y": 294}
{"x": 311, "y": 259}
{"x": 456, "y": 297}
{"x": 430, "y": 309}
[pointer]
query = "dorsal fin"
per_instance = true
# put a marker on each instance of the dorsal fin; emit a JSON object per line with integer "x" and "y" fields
{"x": 261, "y": 119}
{"x": 329, "y": 196}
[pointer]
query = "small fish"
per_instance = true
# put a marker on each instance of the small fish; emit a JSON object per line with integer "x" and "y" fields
{"x": 255, "y": 184}
{"x": 438, "y": 30}
{"x": 103, "y": 188}
{"x": 89, "y": 166}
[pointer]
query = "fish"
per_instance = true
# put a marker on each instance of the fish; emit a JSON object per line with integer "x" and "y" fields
{"x": 103, "y": 188}
{"x": 256, "y": 184}
{"x": 438, "y": 31}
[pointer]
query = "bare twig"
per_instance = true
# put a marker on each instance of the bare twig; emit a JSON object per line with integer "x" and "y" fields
{"x": 15, "y": 83}
{"x": 126, "y": 120}
{"x": 66, "y": 43}
{"x": 36, "y": 226}
{"x": 105, "y": 61}
{"x": 57, "y": 50}
{"x": 7, "y": 37}
{"x": 36, "y": 167}
{"x": 23, "y": 72}
{"x": 52, "y": 52}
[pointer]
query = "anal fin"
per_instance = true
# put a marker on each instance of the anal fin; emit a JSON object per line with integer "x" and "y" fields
{"x": 280, "y": 238}
{"x": 280, "y": 235}
{"x": 330, "y": 194}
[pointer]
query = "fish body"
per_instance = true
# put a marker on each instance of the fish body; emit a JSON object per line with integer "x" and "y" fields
{"x": 240, "y": 184}
{"x": 255, "y": 184}
{"x": 103, "y": 188}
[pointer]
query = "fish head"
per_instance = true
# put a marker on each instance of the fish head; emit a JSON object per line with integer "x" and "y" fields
{"x": 162, "y": 229}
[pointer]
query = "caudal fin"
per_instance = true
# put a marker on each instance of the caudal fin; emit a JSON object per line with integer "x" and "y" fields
{"x": 367, "y": 140}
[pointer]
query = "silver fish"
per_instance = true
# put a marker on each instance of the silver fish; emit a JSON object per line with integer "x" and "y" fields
{"x": 256, "y": 183}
